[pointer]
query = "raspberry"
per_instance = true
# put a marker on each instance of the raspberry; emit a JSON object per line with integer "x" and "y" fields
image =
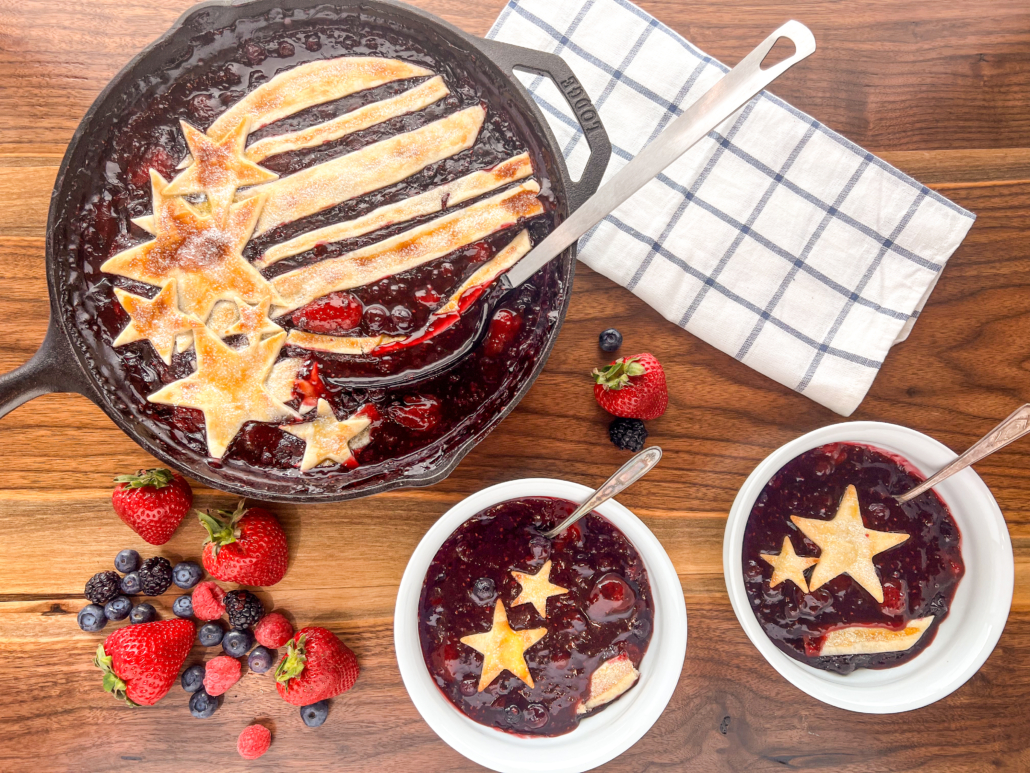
{"x": 273, "y": 631}
{"x": 220, "y": 674}
{"x": 208, "y": 601}
{"x": 254, "y": 741}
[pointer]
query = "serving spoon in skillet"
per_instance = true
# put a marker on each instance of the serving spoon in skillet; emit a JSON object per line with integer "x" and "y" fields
{"x": 728, "y": 95}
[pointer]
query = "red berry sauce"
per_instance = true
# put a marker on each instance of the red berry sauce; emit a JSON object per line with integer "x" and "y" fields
{"x": 607, "y": 612}
{"x": 919, "y": 576}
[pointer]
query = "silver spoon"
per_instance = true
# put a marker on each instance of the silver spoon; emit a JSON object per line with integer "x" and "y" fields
{"x": 1012, "y": 428}
{"x": 624, "y": 477}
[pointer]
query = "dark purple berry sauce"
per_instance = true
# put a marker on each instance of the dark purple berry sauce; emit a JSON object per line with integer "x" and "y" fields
{"x": 607, "y": 612}
{"x": 919, "y": 576}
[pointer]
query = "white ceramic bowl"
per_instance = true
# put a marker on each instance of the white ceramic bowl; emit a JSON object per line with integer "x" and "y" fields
{"x": 597, "y": 739}
{"x": 971, "y": 630}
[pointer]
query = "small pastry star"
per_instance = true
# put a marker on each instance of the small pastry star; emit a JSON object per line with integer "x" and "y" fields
{"x": 847, "y": 545}
{"x": 253, "y": 321}
{"x": 537, "y": 588}
{"x": 157, "y": 320}
{"x": 326, "y": 438}
{"x": 788, "y": 565}
{"x": 502, "y": 648}
{"x": 219, "y": 167}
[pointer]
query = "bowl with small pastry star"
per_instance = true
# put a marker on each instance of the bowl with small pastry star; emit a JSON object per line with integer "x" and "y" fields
{"x": 861, "y": 601}
{"x": 529, "y": 653}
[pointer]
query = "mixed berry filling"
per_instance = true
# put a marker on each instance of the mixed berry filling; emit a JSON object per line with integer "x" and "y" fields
{"x": 597, "y": 608}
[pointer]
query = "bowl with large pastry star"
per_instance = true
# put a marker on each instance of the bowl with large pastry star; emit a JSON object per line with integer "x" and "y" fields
{"x": 860, "y": 601}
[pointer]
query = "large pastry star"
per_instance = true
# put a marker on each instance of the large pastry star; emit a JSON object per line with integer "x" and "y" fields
{"x": 228, "y": 386}
{"x": 788, "y": 565}
{"x": 219, "y": 167}
{"x": 502, "y": 648}
{"x": 326, "y": 438}
{"x": 537, "y": 588}
{"x": 157, "y": 320}
{"x": 205, "y": 258}
{"x": 847, "y": 545}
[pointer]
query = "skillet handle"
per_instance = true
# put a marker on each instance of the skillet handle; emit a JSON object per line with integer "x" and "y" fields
{"x": 554, "y": 67}
{"x": 51, "y": 369}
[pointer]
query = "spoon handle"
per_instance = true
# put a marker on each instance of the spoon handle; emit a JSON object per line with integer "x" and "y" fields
{"x": 1012, "y": 428}
{"x": 624, "y": 477}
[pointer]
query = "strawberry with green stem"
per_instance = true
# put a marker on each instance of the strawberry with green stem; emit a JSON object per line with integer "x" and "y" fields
{"x": 245, "y": 546}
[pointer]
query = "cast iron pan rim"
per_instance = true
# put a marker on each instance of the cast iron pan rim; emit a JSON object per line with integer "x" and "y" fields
{"x": 86, "y": 382}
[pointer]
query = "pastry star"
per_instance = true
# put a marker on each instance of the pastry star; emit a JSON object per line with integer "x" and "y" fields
{"x": 219, "y": 167}
{"x": 788, "y": 565}
{"x": 157, "y": 320}
{"x": 205, "y": 258}
{"x": 228, "y": 386}
{"x": 502, "y": 648}
{"x": 326, "y": 438}
{"x": 537, "y": 588}
{"x": 253, "y": 321}
{"x": 847, "y": 545}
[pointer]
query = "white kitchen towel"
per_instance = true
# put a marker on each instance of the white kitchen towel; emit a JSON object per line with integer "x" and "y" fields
{"x": 774, "y": 239}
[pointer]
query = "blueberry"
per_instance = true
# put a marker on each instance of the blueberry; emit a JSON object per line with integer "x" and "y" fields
{"x": 92, "y": 618}
{"x": 127, "y": 561}
{"x": 143, "y": 613}
{"x": 610, "y": 340}
{"x": 118, "y": 608}
{"x": 484, "y": 591}
{"x": 261, "y": 659}
{"x": 186, "y": 574}
{"x": 202, "y": 705}
{"x": 315, "y": 714}
{"x": 192, "y": 678}
{"x": 210, "y": 634}
{"x": 130, "y": 584}
{"x": 183, "y": 606}
{"x": 237, "y": 642}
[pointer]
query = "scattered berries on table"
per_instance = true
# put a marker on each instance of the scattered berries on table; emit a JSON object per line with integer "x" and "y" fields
{"x": 221, "y": 673}
{"x": 130, "y": 584}
{"x": 140, "y": 662}
{"x": 192, "y": 678}
{"x": 246, "y": 546}
{"x": 152, "y": 503}
{"x": 237, "y": 642}
{"x": 610, "y": 340}
{"x": 186, "y": 574}
{"x": 243, "y": 608}
{"x": 92, "y": 618}
{"x": 118, "y": 608}
{"x": 208, "y": 601}
{"x": 102, "y": 587}
{"x": 183, "y": 607}
{"x": 202, "y": 705}
{"x": 210, "y": 634}
{"x": 632, "y": 387}
{"x": 254, "y": 741}
{"x": 142, "y": 613}
{"x": 273, "y": 631}
{"x": 155, "y": 576}
{"x": 315, "y": 714}
{"x": 127, "y": 561}
{"x": 261, "y": 659}
{"x": 316, "y": 666}
{"x": 628, "y": 434}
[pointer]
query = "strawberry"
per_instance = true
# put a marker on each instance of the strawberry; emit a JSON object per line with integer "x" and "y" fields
{"x": 316, "y": 666}
{"x": 140, "y": 662}
{"x": 152, "y": 503}
{"x": 247, "y": 546}
{"x": 632, "y": 387}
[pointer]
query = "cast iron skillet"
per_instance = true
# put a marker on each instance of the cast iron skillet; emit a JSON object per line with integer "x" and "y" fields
{"x": 65, "y": 362}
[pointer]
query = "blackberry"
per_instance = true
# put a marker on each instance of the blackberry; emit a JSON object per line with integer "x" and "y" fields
{"x": 102, "y": 587}
{"x": 628, "y": 434}
{"x": 244, "y": 609}
{"x": 610, "y": 340}
{"x": 155, "y": 576}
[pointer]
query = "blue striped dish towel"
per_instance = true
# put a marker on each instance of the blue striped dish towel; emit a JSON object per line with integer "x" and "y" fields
{"x": 774, "y": 239}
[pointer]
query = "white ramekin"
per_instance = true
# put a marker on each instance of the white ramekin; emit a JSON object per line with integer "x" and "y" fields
{"x": 598, "y": 739}
{"x": 978, "y": 613}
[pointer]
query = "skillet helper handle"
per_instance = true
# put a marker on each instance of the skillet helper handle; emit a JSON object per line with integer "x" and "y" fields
{"x": 552, "y": 66}
{"x": 51, "y": 369}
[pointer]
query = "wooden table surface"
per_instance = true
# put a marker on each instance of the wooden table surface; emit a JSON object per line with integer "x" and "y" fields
{"x": 942, "y": 90}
